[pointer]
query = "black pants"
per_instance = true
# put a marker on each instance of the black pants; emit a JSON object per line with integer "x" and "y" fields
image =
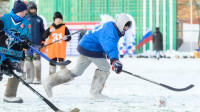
{"x": 57, "y": 59}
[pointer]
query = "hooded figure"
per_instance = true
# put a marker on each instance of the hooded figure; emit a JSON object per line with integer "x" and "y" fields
{"x": 127, "y": 43}
{"x": 121, "y": 21}
{"x": 93, "y": 47}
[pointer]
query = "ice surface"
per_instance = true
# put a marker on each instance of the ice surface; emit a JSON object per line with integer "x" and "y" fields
{"x": 127, "y": 93}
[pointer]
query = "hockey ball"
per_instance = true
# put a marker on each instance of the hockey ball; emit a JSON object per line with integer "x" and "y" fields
{"x": 161, "y": 101}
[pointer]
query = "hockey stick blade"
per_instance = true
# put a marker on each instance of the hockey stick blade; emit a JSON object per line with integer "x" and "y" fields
{"x": 60, "y": 63}
{"x": 160, "y": 84}
{"x": 40, "y": 53}
{"x": 178, "y": 89}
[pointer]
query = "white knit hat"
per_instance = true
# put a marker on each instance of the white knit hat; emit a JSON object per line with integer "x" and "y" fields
{"x": 121, "y": 20}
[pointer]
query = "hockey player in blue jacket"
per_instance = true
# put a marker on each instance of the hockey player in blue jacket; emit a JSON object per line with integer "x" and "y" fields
{"x": 11, "y": 48}
{"x": 92, "y": 48}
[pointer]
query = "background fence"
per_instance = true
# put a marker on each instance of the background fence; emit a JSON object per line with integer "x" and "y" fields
{"x": 4, "y": 7}
{"x": 164, "y": 14}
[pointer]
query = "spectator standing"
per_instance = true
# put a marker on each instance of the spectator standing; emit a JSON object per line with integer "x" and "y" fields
{"x": 158, "y": 42}
{"x": 33, "y": 63}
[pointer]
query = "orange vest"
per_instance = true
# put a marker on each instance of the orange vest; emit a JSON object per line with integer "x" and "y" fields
{"x": 58, "y": 49}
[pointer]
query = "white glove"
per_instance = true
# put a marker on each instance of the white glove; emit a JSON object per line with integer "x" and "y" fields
{"x": 65, "y": 37}
{"x": 18, "y": 73}
{"x": 52, "y": 29}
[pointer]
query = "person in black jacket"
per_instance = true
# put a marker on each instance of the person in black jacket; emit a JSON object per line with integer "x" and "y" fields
{"x": 33, "y": 63}
{"x": 158, "y": 42}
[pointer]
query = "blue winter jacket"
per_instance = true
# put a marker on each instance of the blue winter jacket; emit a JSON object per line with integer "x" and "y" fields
{"x": 22, "y": 25}
{"x": 8, "y": 45}
{"x": 102, "y": 39}
{"x": 37, "y": 29}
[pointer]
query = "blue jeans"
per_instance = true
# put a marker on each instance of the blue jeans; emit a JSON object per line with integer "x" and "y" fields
{"x": 157, "y": 54}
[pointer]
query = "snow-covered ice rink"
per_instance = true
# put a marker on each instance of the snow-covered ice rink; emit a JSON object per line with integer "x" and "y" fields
{"x": 127, "y": 93}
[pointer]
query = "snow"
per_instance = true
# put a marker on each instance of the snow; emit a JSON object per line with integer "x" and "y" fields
{"x": 127, "y": 93}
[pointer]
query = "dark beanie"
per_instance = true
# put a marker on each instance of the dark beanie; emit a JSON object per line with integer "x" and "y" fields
{"x": 19, "y": 6}
{"x": 57, "y": 15}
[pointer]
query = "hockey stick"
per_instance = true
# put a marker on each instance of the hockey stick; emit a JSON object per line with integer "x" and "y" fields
{"x": 42, "y": 97}
{"x": 160, "y": 84}
{"x": 62, "y": 38}
{"x": 43, "y": 55}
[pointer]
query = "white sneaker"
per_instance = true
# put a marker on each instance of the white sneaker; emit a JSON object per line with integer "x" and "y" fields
{"x": 12, "y": 99}
{"x": 18, "y": 73}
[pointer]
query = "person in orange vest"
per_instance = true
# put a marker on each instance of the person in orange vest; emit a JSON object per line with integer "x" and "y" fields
{"x": 56, "y": 31}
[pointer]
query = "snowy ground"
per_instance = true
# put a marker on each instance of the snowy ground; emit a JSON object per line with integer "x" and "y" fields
{"x": 127, "y": 93}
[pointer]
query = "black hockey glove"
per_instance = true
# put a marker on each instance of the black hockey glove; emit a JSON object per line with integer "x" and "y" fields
{"x": 1, "y": 25}
{"x": 25, "y": 43}
{"x": 117, "y": 66}
{"x": 42, "y": 44}
{"x": 67, "y": 38}
{"x": 5, "y": 70}
{"x": 12, "y": 65}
